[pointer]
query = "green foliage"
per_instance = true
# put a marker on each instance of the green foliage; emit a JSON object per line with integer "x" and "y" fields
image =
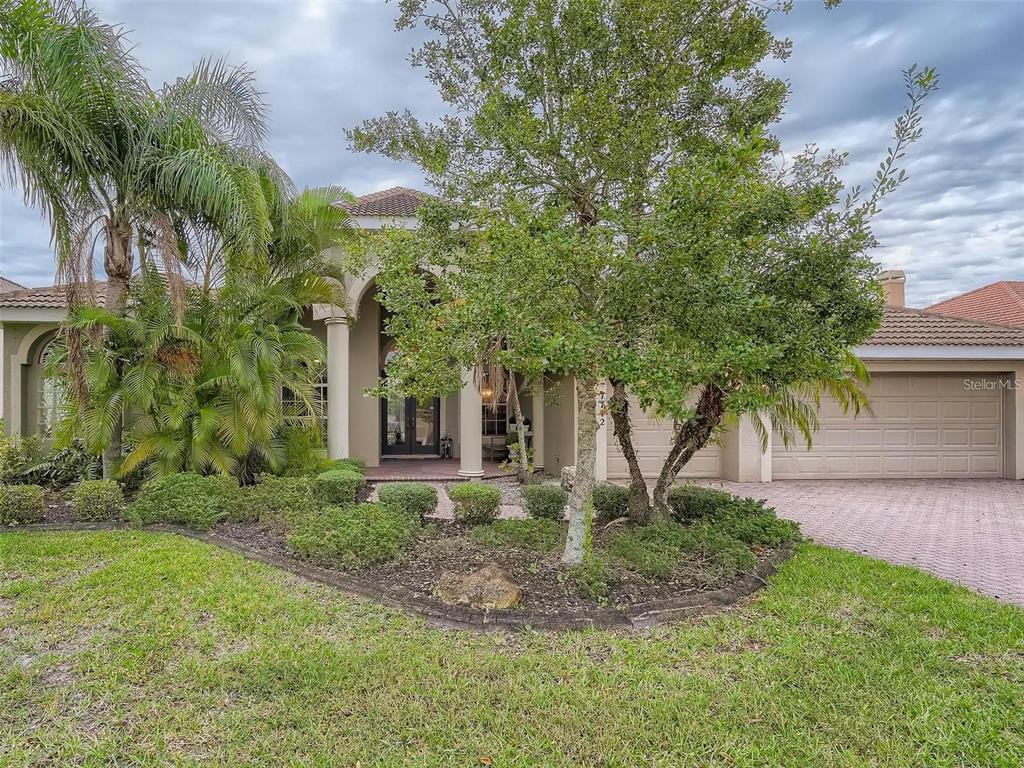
{"x": 278, "y": 501}
{"x": 610, "y": 501}
{"x": 538, "y": 535}
{"x": 544, "y": 501}
{"x": 475, "y": 503}
{"x": 755, "y": 524}
{"x": 98, "y": 500}
{"x": 303, "y": 451}
{"x": 32, "y": 460}
{"x": 21, "y": 504}
{"x": 414, "y": 499}
{"x": 339, "y": 486}
{"x": 205, "y": 393}
{"x": 592, "y": 578}
{"x": 353, "y": 464}
{"x": 658, "y": 549}
{"x": 195, "y": 501}
{"x": 353, "y": 535}
{"x": 690, "y": 502}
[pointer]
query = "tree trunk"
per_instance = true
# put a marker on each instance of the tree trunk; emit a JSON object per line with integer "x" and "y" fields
{"x": 523, "y": 469}
{"x": 581, "y": 504}
{"x": 688, "y": 438}
{"x": 639, "y": 500}
{"x": 118, "y": 264}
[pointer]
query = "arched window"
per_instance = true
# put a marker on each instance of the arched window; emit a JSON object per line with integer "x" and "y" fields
{"x": 52, "y": 395}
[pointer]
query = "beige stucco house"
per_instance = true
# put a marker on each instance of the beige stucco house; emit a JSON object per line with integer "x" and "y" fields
{"x": 947, "y": 395}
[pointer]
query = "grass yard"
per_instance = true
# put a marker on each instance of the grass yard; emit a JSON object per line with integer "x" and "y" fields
{"x": 131, "y": 648}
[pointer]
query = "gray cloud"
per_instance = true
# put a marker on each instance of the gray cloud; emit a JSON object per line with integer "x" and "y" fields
{"x": 326, "y": 65}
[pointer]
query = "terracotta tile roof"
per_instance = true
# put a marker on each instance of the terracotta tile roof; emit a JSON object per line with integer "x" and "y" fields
{"x": 48, "y": 297}
{"x": 1001, "y": 302}
{"x": 9, "y": 285}
{"x": 917, "y": 327}
{"x": 397, "y": 201}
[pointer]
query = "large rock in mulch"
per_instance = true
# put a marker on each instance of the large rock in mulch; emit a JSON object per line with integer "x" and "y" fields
{"x": 488, "y": 587}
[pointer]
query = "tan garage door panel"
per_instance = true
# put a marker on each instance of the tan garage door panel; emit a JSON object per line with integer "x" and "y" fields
{"x": 651, "y": 440}
{"x": 924, "y": 426}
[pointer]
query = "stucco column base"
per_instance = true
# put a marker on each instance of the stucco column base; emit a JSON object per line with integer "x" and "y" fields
{"x": 743, "y": 461}
{"x": 471, "y": 428}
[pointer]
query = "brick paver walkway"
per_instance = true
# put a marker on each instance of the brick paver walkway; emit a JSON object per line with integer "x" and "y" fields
{"x": 967, "y": 531}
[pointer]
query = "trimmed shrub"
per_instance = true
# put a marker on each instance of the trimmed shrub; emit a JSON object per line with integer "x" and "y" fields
{"x": 353, "y": 535}
{"x": 754, "y": 523}
{"x": 352, "y": 464}
{"x": 278, "y": 501}
{"x": 532, "y": 535}
{"x": 414, "y": 499}
{"x": 339, "y": 486}
{"x": 691, "y": 502}
{"x": 475, "y": 503}
{"x": 98, "y": 500}
{"x": 195, "y": 501}
{"x": 21, "y": 504}
{"x": 610, "y": 501}
{"x": 544, "y": 501}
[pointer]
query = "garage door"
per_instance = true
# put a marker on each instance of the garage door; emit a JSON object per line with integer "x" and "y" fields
{"x": 923, "y": 426}
{"x": 651, "y": 440}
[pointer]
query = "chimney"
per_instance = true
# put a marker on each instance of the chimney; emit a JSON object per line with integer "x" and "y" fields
{"x": 894, "y": 283}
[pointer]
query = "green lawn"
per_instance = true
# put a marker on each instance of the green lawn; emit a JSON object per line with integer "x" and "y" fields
{"x": 137, "y": 648}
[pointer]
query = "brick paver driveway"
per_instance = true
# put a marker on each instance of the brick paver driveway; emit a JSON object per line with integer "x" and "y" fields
{"x": 968, "y": 531}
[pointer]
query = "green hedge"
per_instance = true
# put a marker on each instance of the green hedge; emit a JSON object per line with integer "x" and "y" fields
{"x": 21, "y": 504}
{"x": 98, "y": 500}
{"x": 544, "y": 501}
{"x": 692, "y": 502}
{"x": 414, "y": 499}
{"x": 195, "y": 501}
{"x": 353, "y": 535}
{"x": 610, "y": 501}
{"x": 475, "y": 503}
{"x": 274, "y": 500}
{"x": 339, "y": 486}
{"x": 352, "y": 464}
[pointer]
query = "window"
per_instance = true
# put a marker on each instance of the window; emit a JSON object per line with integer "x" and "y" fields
{"x": 495, "y": 419}
{"x": 52, "y": 395}
{"x": 295, "y": 411}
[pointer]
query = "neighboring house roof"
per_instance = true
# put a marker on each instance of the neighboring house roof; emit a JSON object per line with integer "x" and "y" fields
{"x": 902, "y": 326}
{"x": 9, "y": 285}
{"x": 397, "y": 201}
{"x": 49, "y": 297}
{"x": 1001, "y": 302}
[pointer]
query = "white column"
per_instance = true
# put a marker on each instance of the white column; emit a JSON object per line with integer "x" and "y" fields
{"x": 337, "y": 387}
{"x": 471, "y": 428}
{"x": 603, "y": 433}
{"x": 537, "y": 424}
{"x": 14, "y": 428}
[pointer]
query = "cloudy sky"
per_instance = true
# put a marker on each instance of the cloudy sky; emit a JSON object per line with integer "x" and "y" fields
{"x": 327, "y": 65}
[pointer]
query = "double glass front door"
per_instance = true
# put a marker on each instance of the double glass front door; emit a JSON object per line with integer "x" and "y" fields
{"x": 410, "y": 427}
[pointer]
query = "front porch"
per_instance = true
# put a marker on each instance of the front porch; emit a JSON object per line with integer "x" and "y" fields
{"x": 455, "y": 436}
{"x": 428, "y": 470}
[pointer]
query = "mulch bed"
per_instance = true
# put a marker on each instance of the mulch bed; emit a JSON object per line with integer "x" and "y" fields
{"x": 549, "y": 599}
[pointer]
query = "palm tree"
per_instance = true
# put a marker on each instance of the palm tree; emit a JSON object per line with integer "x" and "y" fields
{"x": 204, "y": 391}
{"x": 109, "y": 160}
